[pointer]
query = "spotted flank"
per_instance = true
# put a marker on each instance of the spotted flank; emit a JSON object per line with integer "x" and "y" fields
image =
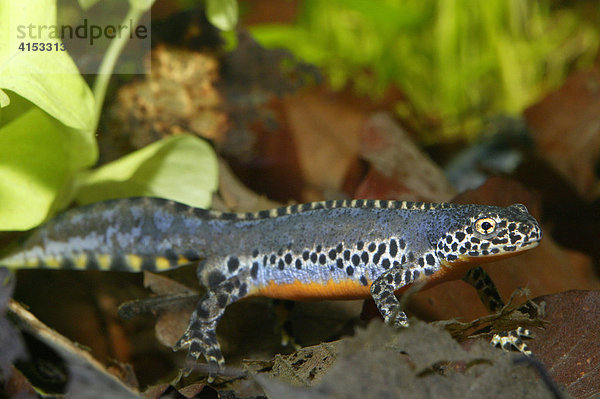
{"x": 332, "y": 249}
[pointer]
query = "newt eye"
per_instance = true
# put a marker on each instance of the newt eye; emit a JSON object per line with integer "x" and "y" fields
{"x": 485, "y": 225}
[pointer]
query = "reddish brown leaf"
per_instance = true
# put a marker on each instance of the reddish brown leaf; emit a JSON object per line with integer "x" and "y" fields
{"x": 569, "y": 347}
{"x": 377, "y": 185}
{"x": 325, "y": 129}
{"x": 566, "y": 128}
{"x": 162, "y": 285}
{"x": 400, "y": 170}
{"x": 192, "y": 391}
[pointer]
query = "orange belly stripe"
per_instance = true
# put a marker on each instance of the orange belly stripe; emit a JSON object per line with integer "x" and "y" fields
{"x": 299, "y": 290}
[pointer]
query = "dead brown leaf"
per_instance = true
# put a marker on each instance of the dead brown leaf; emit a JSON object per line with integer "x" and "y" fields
{"x": 566, "y": 128}
{"x": 86, "y": 377}
{"x": 325, "y": 130}
{"x": 410, "y": 173}
{"x": 236, "y": 197}
{"x": 305, "y": 367}
{"x": 569, "y": 346}
{"x": 416, "y": 362}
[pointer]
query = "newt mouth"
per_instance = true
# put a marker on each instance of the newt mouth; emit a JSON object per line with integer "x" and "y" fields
{"x": 532, "y": 243}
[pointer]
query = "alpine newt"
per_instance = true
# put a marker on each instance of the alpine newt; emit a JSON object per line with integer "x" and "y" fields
{"x": 341, "y": 249}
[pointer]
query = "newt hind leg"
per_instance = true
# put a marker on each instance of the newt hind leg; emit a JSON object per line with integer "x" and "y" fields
{"x": 201, "y": 335}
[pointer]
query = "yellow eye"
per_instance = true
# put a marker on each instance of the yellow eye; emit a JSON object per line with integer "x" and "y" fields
{"x": 485, "y": 225}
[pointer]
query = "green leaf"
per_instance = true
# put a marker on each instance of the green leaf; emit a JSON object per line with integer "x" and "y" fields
{"x": 222, "y": 13}
{"x": 142, "y": 5}
{"x": 182, "y": 168}
{"x": 38, "y": 158}
{"x": 49, "y": 79}
{"x": 85, "y": 4}
{"x": 4, "y": 99}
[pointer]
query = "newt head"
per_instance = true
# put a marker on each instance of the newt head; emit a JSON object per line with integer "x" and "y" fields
{"x": 479, "y": 233}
